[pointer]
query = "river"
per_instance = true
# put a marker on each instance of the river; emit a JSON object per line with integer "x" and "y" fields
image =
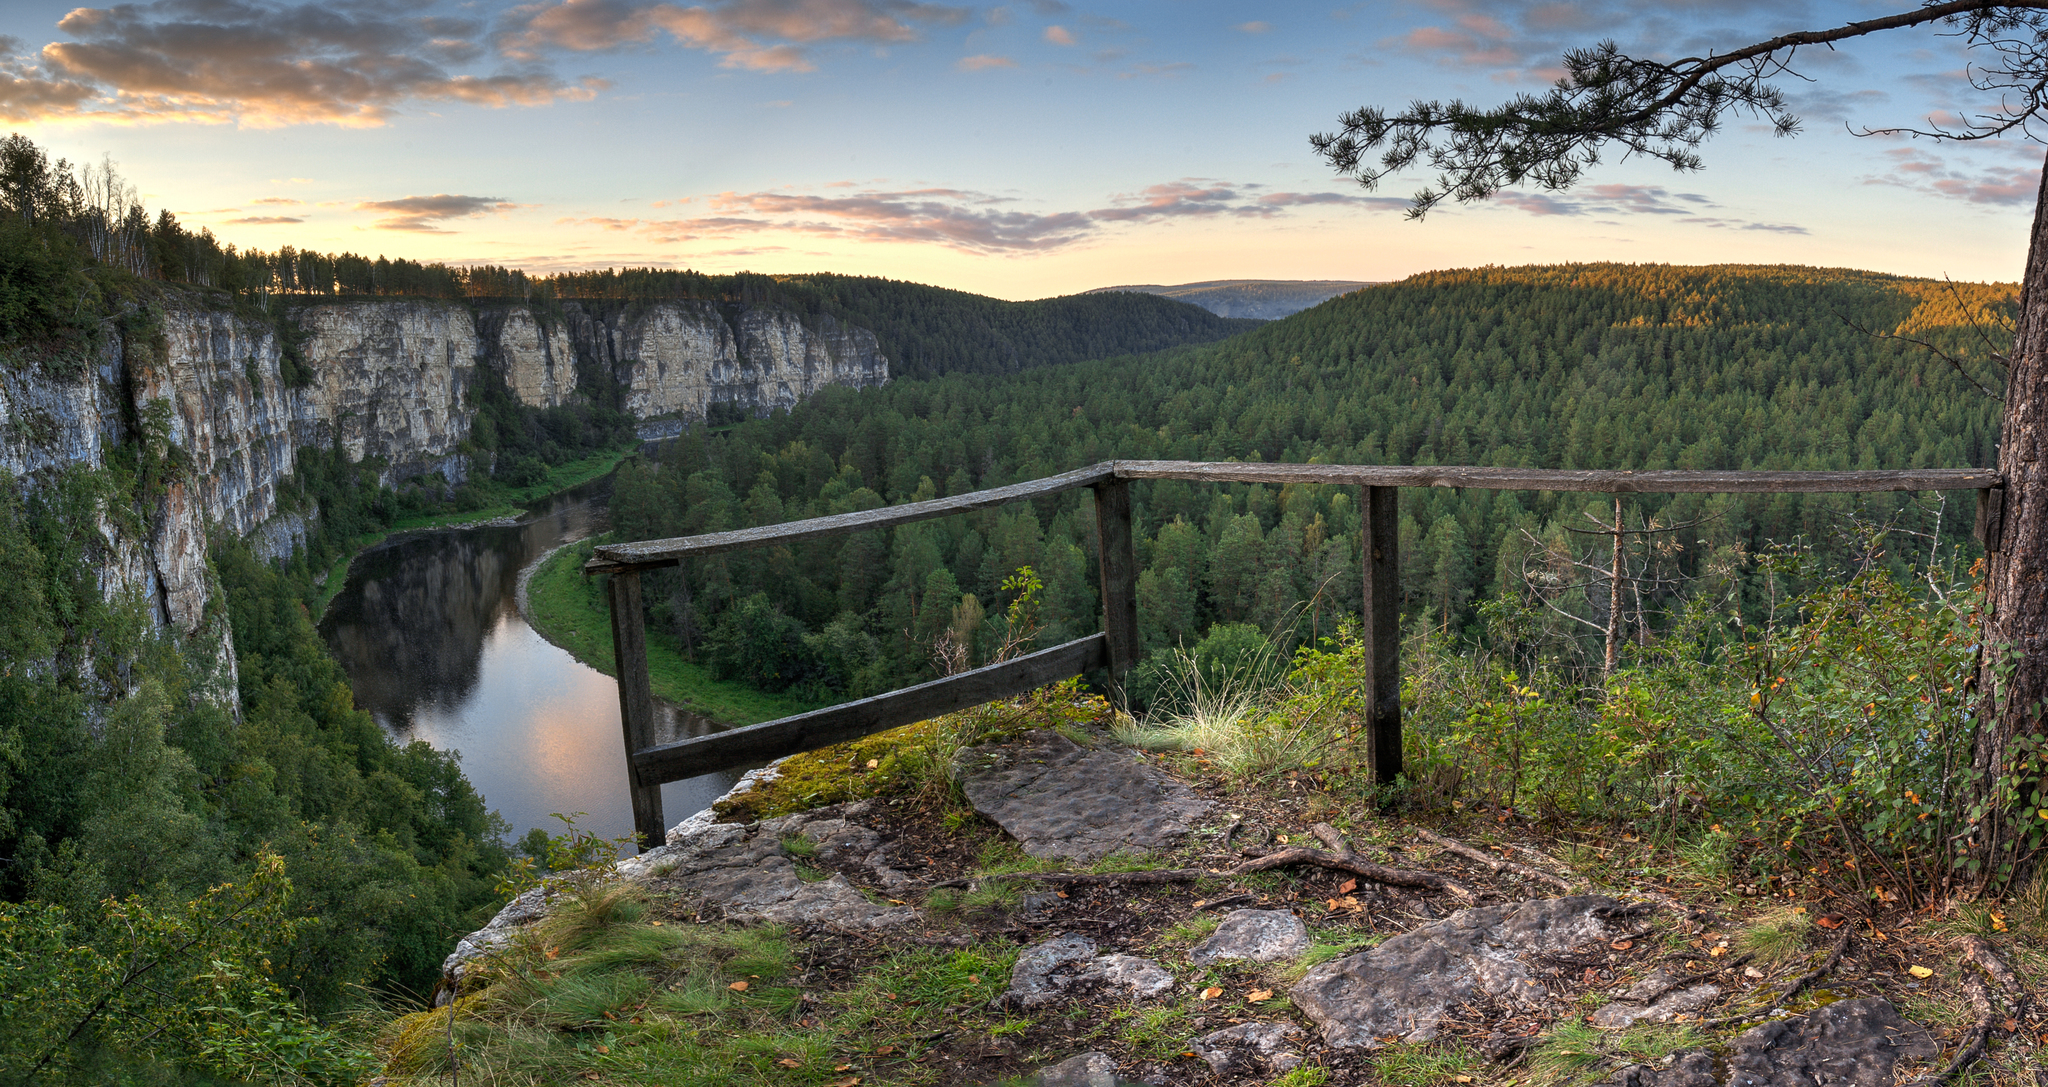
{"x": 429, "y": 630}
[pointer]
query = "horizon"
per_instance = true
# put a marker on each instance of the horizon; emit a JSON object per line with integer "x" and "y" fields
{"x": 1031, "y": 150}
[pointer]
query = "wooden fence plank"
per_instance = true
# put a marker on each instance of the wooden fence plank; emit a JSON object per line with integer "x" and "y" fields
{"x": 1548, "y": 479}
{"x": 758, "y": 744}
{"x": 650, "y": 554}
{"x": 1119, "y": 578}
{"x": 636, "y": 702}
{"x": 1381, "y": 559}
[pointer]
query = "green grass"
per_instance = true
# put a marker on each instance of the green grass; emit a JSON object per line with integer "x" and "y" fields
{"x": 570, "y": 611}
{"x": 512, "y": 501}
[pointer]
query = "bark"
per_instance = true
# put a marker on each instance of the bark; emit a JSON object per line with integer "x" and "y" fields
{"x": 2015, "y": 630}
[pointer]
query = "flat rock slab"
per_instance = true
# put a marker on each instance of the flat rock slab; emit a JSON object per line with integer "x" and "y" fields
{"x": 1066, "y": 967}
{"x": 1086, "y": 1070}
{"x": 745, "y": 871}
{"x": 1850, "y": 1043}
{"x": 1250, "y": 1047}
{"x": 1253, "y": 936}
{"x": 1658, "y": 998}
{"x": 1400, "y": 990}
{"x": 1059, "y": 799}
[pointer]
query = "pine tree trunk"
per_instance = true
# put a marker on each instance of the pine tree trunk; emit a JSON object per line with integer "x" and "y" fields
{"x": 2015, "y": 634}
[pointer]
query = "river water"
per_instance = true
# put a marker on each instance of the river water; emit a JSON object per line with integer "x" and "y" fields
{"x": 429, "y": 630}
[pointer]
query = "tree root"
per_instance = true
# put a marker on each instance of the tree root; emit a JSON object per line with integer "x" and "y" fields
{"x": 1497, "y": 864}
{"x": 1976, "y": 985}
{"x": 1147, "y": 875}
{"x": 1793, "y": 987}
{"x": 1342, "y": 859}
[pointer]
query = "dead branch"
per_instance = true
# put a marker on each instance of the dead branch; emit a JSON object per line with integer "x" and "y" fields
{"x": 1792, "y": 988}
{"x": 1148, "y": 875}
{"x": 1347, "y": 861}
{"x": 1497, "y": 864}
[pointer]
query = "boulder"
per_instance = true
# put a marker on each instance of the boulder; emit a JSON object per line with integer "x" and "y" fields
{"x": 1253, "y": 936}
{"x": 1059, "y": 799}
{"x": 1249, "y": 1048}
{"x": 1067, "y": 967}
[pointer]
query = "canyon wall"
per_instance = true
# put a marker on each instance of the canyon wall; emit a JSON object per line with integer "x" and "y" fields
{"x": 390, "y": 379}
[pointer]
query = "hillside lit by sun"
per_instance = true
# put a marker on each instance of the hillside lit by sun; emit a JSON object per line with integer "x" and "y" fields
{"x": 1020, "y": 150}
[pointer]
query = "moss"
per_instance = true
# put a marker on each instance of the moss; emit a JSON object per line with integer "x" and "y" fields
{"x": 418, "y": 1043}
{"x": 895, "y": 762}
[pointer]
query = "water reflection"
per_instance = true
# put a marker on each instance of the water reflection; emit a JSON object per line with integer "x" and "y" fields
{"x": 429, "y": 630}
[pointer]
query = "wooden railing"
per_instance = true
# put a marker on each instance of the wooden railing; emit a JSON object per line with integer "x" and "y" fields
{"x": 649, "y": 765}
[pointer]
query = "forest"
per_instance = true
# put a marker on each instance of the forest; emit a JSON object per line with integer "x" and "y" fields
{"x": 1600, "y": 366}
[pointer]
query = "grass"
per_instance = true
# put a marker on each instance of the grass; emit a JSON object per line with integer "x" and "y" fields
{"x": 1777, "y": 937}
{"x": 1423, "y": 1065}
{"x": 514, "y": 501}
{"x": 571, "y": 612}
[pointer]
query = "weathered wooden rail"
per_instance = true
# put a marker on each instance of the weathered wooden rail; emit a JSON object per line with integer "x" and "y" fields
{"x": 1116, "y": 648}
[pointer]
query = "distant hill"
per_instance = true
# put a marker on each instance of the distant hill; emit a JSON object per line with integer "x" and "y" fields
{"x": 1261, "y": 299}
{"x": 929, "y": 331}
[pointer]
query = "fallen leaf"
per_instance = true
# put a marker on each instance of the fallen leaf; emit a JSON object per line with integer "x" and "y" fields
{"x": 790, "y": 1062}
{"x": 1461, "y": 1079}
{"x": 2012, "y": 1024}
{"x": 1282, "y": 838}
{"x": 842, "y": 1068}
{"x": 656, "y": 924}
{"x": 1062, "y": 894}
{"x": 883, "y": 1051}
{"x": 1347, "y": 886}
{"x": 1259, "y": 996}
{"x": 1920, "y": 971}
{"x": 1752, "y": 972}
{"x": 738, "y": 986}
{"x": 1998, "y": 922}
{"x": 974, "y": 979}
{"x": 1200, "y": 902}
{"x": 604, "y": 1049}
{"x": 1622, "y": 945}
{"x": 1718, "y": 952}
{"x": 589, "y": 1075}
{"x": 1211, "y": 993}
{"x": 552, "y": 952}
{"x": 850, "y": 1081}
{"x": 1829, "y": 920}
{"x": 872, "y": 763}
{"x": 896, "y": 902}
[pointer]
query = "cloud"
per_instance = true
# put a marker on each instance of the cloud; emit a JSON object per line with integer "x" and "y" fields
{"x": 2007, "y": 185}
{"x": 1605, "y": 200}
{"x": 970, "y": 221}
{"x": 264, "y": 220}
{"x": 755, "y": 35}
{"x": 1256, "y": 26}
{"x": 1059, "y": 35}
{"x": 981, "y": 62}
{"x": 424, "y": 214}
{"x": 260, "y": 63}
{"x": 278, "y": 200}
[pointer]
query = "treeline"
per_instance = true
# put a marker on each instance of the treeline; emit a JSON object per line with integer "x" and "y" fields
{"x": 1567, "y": 367}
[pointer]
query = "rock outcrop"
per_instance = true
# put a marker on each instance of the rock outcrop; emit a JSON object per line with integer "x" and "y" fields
{"x": 390, "y": 379}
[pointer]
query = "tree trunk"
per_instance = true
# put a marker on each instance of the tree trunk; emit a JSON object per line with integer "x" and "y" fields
{"x": 2012, "y": 663}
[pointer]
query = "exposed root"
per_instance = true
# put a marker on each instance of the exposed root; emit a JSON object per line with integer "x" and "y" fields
{"x": 1149, "y": 875}
{"x": 1497, "y": 864}
{"x": 1792, "y": 988}
{"x": 1976, "y": 985}
{"x": 1342, "y": 859}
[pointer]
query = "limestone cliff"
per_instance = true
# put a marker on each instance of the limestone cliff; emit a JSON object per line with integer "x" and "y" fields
{"x": 388, "y": 379}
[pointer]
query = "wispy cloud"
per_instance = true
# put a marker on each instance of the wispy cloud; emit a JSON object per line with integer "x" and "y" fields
{"x": 264, "y": 220}
{"x": 1059, "y": 35}
{"x": 1609, "y": 200}
{"x": 971, "y": 221}
{"x": 982, "y": 62}
{"x": 2014, "y": 182}
{"x": 260, "y": 63}
{"x": 756, "y": 35}
{"x": 425, "y": 214}
{"x": 1256, "y": 26}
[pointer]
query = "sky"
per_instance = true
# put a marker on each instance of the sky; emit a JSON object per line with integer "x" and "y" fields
{"x": 1022, "y": 150}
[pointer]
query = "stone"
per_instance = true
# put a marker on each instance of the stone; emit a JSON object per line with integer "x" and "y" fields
{"x": 1059, "y": 799}
{"x": 1086, "y": 1070}
{"x": 1249, "y": 1047}
{"x": 1658, "y": 998}
{"x": 1850, "y": 1043}
{"x": 747, "y": 874}
{"x": 1253, "y": 936}
{"x": 1400, "y": 990}
{"x": 1066, "y": 967}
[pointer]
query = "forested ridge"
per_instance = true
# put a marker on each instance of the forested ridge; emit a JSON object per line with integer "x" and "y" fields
{"x": 1594, "y": 366}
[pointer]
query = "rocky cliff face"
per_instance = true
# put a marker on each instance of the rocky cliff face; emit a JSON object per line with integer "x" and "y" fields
{"x": 390, "y": 379}
{"x": 676, "y": 359}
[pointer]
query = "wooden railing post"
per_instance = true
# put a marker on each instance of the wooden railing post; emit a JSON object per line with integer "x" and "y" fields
{"x": 1119, "y": 579}
{"x": 1381, "y": 558}
{"x": 636, "y": 702}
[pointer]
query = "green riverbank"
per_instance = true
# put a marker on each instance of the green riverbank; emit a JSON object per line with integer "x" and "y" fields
{"x": 513, "y": 502}
{"x": 569, "y": 610}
